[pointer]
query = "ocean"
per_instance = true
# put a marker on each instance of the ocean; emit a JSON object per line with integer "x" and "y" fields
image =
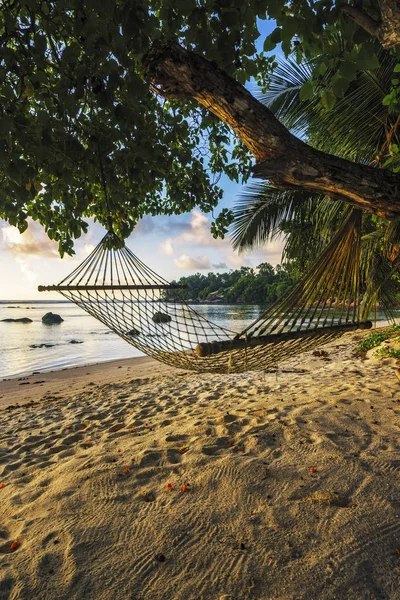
{"x": 80, "y": 339}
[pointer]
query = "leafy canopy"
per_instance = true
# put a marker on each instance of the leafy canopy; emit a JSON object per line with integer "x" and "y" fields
{"x": 244, "y": 285}
{"x": 80, "y": 132}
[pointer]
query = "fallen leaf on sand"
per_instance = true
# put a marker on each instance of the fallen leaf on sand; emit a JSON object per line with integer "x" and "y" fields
{"x": 127, "y": 470}
{"x": 2, "y": 485}
{"x": 183, "y": 449}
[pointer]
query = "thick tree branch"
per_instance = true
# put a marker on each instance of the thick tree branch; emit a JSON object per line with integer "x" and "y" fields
{"x": 361, "y": 18}
{"x": 387, "y": 29}
{"x": 281, "y": 157}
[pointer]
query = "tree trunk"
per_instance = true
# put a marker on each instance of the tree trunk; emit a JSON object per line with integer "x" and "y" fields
{"x": 281, "y": 158}
{"x": 389, "y": 31}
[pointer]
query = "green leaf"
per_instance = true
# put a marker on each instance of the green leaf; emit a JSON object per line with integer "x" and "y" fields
{"x": 276, "y": 35}
{"x": 322, "y": 69}
{"x": 397, "y": 68}
{"x": 388, "y": 100}
{"x": 348, "y": 70}
{"x": 328, "y": 99}
{"x": 306, "y": 91}
{"x": 40, "y": 43}
{"x": 367, "y": 60}
{"x": 340, "y": 87}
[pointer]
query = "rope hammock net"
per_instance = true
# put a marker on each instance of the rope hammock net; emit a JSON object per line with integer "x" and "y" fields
{"x": 118, "y": 289}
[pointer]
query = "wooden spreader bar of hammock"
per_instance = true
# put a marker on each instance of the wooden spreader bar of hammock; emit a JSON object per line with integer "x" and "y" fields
{"x": 94, "y": 288}
{"x": 209, "y": 348}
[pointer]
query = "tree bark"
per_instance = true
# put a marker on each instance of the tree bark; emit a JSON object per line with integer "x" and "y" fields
{"x": 283, "y": 159}
{"x": 387, "y": 29}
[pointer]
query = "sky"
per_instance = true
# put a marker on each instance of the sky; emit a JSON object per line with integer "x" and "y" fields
{"x": 173, "y": 246}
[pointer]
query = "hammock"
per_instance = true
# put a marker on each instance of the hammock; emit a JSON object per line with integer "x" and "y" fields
{"x": 119, "y": 290}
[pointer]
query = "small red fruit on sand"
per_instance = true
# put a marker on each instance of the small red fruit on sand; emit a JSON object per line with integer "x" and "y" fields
{"x": 126, "y": 470}
{"x": 14, "y": 545}
{"x": 169, "y": 486}
{"x": 89, "y": 442}
{"x": 313, "y": 470}
{"x": 132, "y": 430}
{"x": 2, "y": 485}
{"x": 112, "y": 404}
{"x": 119, "y": 450}
{"x": 184, "y": 488}
{"x": 117, "y": 428}
{"x": 68, "y": 426}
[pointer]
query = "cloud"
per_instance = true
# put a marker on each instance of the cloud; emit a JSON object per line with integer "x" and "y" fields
{"x": 186, "y": 262}
{"x": 33, "y": 242}
{"x": 196, "y": 234}
{"x": 167, "y": 248}
{"x": 238, "y": 260}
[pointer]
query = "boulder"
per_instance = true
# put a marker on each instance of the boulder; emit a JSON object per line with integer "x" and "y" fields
{"x": 22, "y": 320}
{"x": 160, "y": 317}
{"x": 51, "y": 319}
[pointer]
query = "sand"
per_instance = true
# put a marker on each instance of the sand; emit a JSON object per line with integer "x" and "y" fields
{"x": 144, "y": 483}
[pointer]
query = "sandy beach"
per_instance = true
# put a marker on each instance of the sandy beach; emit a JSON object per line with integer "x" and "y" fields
{"x": 130, "y": 480}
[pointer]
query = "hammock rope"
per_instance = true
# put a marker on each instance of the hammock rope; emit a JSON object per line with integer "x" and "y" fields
{"x": 118, "y": 289}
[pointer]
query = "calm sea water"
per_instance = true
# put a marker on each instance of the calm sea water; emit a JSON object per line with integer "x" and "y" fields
{"x": 18, "y": 356}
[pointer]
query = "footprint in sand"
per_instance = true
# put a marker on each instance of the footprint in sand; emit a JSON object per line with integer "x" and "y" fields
{"x": 150, "y": 458}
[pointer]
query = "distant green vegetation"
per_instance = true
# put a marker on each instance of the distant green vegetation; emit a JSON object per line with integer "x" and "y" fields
{"x": 262, "y": 285}
{"x": 377, "y": 337}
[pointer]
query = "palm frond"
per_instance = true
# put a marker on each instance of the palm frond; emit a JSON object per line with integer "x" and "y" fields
{"x": 356, "y": 127}
{"x": 262, "y": 210}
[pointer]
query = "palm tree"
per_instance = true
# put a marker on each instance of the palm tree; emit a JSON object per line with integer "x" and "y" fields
{"x": 360, "y": 128}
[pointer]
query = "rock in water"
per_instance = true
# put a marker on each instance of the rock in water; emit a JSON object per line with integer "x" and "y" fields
{"x": 160, "y": 317}
{"x": 22, "y": 320}
{"x": 133, "y": 332}
{"x": 41, "y": 345}
{"x": 51, "y": 319}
